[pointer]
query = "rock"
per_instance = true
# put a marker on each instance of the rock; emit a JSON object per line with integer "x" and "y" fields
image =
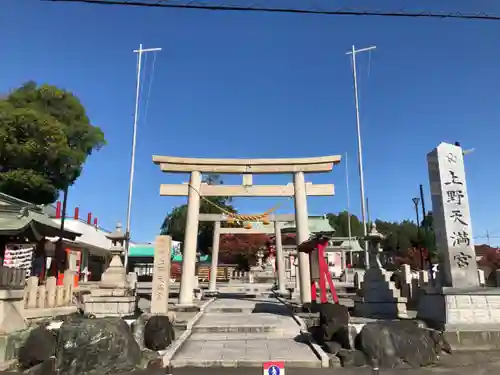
{"x": 158, "y": 332}
{"x": 155, "y": 363}
{"x": 332, "y": 347}
{"x": 331, "y": 318}
{"x": 138, "y": 329}
{"x": 334, "y": 362}
{"x": 317, "y": 334}
{"x": 389, "y": 344}
{"x": 38, "y": 347}
{"x": 47, "y": 367}
{"x": 150, "y": 358}
{"x": 96, "y": 347}
{"x": 352, "y": 358}
{"x": 346, "y": 336}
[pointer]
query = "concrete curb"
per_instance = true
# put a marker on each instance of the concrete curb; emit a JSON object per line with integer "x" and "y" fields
{"x": 177, "y": 344}
{"x": 318, "y": 351}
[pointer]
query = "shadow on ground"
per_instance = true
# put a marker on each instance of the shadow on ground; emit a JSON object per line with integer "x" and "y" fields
{"x": 270, "y": 308}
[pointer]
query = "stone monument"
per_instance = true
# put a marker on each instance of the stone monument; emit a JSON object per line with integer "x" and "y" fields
{"x": 457, "y": 303}
{"x": 114, "y": 297}
{"x": 161, "y": 275}
{"x": 378, "y": 296}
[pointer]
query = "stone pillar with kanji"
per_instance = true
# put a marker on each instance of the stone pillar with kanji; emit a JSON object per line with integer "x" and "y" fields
{"x": 458, "y": 305}
{"x": 451, "y": 217}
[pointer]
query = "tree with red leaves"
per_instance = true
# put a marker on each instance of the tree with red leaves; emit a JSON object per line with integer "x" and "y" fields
{"x": 413, "y": 258}
{"x": 491, "y": 258}
{"x": 175, "y": 271}
{"x": 240, "y": 249}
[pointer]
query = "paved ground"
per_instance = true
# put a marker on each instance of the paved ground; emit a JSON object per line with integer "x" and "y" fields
{"x": 480, "y": 363}
{"x": 245, "y": 332}
{"x": 473, "y": 370}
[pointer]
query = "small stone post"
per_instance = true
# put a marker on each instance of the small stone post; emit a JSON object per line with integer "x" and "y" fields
{"x": 280, "y": 259}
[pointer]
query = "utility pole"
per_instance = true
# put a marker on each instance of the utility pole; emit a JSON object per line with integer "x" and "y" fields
{"x": 426, "y": 228}
{"x": 368, "y": 221}
{"x": 353, "y": 52}
{"x": 488, "y": 237}
{"x": 348, "y": 199}
{"x": 139, "y": 52}
{"x": 344, "y": 261}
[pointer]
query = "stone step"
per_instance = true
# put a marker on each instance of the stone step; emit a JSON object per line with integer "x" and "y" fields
{"x": 230, "y": 363}
{"x": 250, "y": 328}
{"x": 230, "y": 310}
{"x": 244, "y": 353}
{"x": 236, "y": 336}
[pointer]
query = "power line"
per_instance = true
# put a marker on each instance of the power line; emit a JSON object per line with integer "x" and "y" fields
{"x": 483, "y": 16}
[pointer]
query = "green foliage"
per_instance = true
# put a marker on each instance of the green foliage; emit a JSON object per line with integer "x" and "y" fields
{"x": 341, "y": 224}
{"x": 401, "y": 237}
{"x": 45, "y": 139}
{"x": 175, "y": 221}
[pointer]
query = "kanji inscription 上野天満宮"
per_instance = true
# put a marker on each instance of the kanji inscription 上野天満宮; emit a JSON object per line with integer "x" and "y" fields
{"x": 452, "y": 223}
{"x": 453, "y": 188}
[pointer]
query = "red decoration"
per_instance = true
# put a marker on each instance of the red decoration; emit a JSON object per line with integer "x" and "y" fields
{"x": 324, "y": 275}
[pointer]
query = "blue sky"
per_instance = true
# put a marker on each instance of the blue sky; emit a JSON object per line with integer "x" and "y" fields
{"x": 267, "y": 85}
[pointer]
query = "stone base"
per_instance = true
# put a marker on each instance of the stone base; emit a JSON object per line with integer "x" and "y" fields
{"x": 473, "y": 340}
{"x": 11, "y": 308}
{"x": 460, "y": 310}
{"x": 381, "y": 309}
{"x": 10, "y": 344}
{"x": 49, "y": 312}
{"x": 210, "y": 293}
{"x": 379, "y": 298}
{"x": 186, "y": 308}
{"x": 109, "y": 302}
{"x": 264, "y": 277}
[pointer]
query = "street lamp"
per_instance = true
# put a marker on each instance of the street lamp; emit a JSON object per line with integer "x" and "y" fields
{"x": 416, "y": 201}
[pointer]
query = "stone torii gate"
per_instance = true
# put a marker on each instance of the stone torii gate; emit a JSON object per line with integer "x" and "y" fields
{"x": 274, "y": 228}
{"x": 247, "y": 167}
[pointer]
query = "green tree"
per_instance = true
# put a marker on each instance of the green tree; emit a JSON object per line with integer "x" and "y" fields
{"x": 45, "y": 139}
{"x": 340, "y": 223}
{"x": 175, "y": 222}
{"x": 400, "y": 236}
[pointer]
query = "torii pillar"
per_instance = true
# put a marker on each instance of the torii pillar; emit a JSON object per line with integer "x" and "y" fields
{"x": 190, "y": 241}
{"x": 302, "y": 235}
{"x": 212, "y": 288}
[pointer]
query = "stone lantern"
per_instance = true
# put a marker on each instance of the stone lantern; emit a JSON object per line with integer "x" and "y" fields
{"x": 374, "y": 239}
{"x": 377, "y": 296}
{"x": 260, "y": 256}
{"x": 115, "y": 276}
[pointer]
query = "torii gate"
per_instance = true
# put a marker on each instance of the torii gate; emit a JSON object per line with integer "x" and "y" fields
{"x": 247, "y": 167}
{"x": 274, "y": 228}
